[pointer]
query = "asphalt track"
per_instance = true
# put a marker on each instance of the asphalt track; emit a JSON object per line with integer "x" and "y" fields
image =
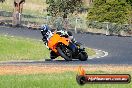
{"x": 119, "y": 48}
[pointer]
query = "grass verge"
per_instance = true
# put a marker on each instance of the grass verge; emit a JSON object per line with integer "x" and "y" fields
{"x": 56, "y": 80}
{"x": 16, "y": 48}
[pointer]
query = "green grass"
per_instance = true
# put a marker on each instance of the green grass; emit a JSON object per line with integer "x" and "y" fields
{"x": 56, "y": 80}
{"x": 12, "y": 48}
{"x": 17, "y": 48}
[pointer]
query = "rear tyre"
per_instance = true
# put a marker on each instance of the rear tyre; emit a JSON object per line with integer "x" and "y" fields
{"x": 62, "y": 54}
{"x": 83, "y": 56}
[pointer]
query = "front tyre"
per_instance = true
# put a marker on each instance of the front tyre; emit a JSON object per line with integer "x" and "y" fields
{"x": 83, "y": 56}
{"x": 62, "y": 54}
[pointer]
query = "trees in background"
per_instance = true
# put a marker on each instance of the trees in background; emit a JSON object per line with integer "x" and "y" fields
{"x": 129, "y": 1}
{"x": 18, "y": 7}
{"x": 63, "y": 7}
{"x": 2, "y": 1}
{"x": 116, "y": 11}
{"x": 17, "y": 11}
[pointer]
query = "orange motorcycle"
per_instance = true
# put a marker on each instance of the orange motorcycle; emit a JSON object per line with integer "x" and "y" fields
{"x": 65, "y": 48}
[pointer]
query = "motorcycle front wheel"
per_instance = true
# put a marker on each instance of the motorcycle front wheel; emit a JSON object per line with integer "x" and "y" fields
{"x": 63, "y": 54}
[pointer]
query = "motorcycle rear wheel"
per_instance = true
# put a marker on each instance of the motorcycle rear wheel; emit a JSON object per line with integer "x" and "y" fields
{"x": 83, "y": 56}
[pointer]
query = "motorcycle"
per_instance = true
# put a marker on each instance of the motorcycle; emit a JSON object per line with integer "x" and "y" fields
{"x": 65, "y": 48}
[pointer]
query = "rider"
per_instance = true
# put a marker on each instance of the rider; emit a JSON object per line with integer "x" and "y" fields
{"x": 46, "y": 32}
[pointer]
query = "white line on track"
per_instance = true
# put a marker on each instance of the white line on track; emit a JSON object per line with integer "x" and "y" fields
{"x": 99, "y": 54}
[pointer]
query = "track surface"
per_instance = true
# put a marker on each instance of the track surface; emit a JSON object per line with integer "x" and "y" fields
{"x": 119, "y": 48}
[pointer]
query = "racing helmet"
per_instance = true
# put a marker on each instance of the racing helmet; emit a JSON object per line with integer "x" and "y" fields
{"x": 44, "y": 29}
